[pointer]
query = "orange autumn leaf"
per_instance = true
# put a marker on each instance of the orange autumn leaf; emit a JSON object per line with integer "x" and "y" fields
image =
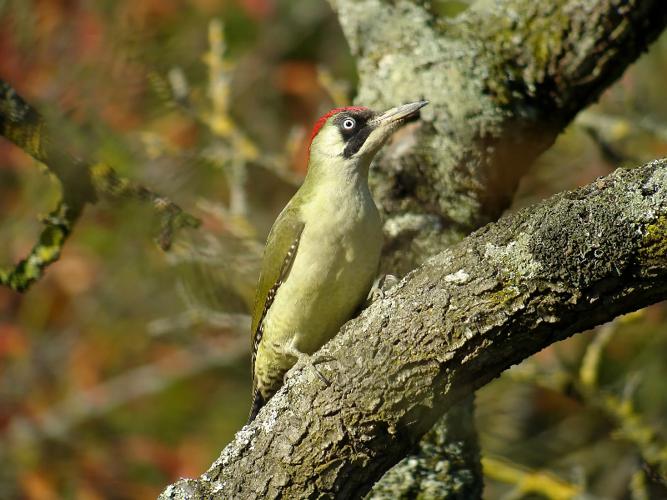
{"x": 13, "y": 341}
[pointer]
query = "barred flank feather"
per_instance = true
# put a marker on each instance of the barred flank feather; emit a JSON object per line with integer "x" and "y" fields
{"x": 257, "y": 402}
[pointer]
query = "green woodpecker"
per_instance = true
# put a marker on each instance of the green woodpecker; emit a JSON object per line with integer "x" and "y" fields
{"x": 323, "y": 250}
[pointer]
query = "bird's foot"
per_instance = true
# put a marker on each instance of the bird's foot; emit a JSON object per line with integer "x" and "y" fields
{"x": 380, "y": 287}
{"x": 308, "y": 360}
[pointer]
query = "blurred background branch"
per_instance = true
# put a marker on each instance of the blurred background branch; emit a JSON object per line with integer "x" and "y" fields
{"x": 81, "y": 183}
{"x": 61, "y": 419}
{"x": 526, "y": 482}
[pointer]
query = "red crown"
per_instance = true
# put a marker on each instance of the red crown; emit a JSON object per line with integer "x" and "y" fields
{"x": 322, "y": 119}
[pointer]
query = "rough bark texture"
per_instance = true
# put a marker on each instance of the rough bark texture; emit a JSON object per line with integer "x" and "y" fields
{"x": 451, "y": 326}
{"x": 503, "y": 78}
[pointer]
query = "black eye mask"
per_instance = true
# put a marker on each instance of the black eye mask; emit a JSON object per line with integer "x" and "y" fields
{"x": 356, "y": 141}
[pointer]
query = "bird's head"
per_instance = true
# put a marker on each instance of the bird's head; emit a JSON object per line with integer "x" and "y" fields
{"x": 351, "y": 136}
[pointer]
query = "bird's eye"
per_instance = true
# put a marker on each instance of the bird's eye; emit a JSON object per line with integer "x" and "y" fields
{"x": 349, "y": 124}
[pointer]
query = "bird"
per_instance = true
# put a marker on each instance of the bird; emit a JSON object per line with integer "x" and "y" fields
{"x": 323, "y": 250}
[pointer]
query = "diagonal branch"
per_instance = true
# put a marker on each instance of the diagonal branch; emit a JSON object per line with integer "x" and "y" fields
{"x": 451, "y": 326}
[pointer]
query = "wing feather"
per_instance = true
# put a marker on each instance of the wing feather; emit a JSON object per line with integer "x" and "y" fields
{"x": 281, "y": 249}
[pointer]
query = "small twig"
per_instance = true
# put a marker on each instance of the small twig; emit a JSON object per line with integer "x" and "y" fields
{"x": 196, "y": 315}
{"x": 108, "y": 183}
{"x": 607, "y": 131}
{"x": 590, "y": 364}
{"x": 529, "y": 481}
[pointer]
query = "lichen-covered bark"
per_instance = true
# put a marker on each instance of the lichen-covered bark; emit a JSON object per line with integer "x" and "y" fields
{"x": 451, "y": 326}
{"x": 445, "y": 465}
{"x": 503, "y": 78}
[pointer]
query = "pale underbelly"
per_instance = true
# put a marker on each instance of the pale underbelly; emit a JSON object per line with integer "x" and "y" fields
{"x": 320, "y": 294}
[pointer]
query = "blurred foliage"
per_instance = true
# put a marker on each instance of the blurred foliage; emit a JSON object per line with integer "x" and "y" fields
{"x": 125, "y": 367}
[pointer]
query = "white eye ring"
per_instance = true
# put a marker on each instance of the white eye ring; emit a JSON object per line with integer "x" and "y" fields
{"x": 349, "y": 124}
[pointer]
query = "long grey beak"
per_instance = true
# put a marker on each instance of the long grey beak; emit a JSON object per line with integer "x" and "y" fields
{"x": 399, "y": 114}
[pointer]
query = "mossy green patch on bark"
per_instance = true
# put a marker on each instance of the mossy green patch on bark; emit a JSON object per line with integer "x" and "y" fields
{"x": 654, "y": 244}
{"x": 57, "y": 227}
{"x": 505, "y": 294}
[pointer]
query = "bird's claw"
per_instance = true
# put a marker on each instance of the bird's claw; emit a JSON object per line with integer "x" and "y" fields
{"x": 308, "y": 360}
{"x": 380, "y": 287}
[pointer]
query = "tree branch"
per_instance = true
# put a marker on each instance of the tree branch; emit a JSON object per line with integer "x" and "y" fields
{"x": 451, "y": 326}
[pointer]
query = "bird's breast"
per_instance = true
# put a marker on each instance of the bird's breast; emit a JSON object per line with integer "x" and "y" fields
{"x": 333, "y": 270}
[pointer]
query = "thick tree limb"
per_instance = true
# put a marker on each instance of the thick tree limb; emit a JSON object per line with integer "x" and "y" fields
{"x": 451, "y": 326}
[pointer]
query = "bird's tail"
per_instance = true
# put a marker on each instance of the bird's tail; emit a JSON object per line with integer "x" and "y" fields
{"x": 257, "y": 402}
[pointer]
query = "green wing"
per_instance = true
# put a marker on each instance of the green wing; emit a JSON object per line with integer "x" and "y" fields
{"x": 281, "y": 248}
